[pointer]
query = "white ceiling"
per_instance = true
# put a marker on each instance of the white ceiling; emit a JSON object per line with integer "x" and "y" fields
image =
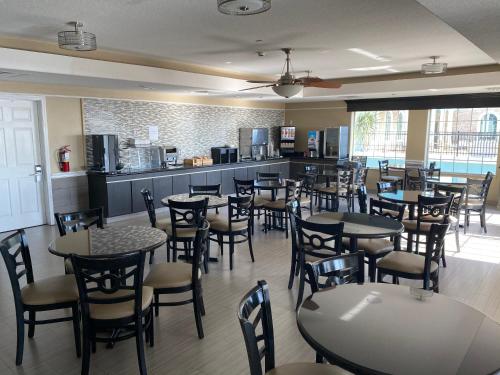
{"x": 320, "y": 31}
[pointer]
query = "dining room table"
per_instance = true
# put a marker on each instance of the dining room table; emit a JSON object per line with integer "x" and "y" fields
{"x": 360, "y": 225}
{"x": 271, "y": 185}
{"x": 378, "y": 328}
{"x": 447, "y": 180}
{"x": 214, "y": 201}
{"x": 408, "y": 197}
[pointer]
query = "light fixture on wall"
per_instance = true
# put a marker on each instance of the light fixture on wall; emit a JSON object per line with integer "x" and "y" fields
{"x": 243, "y": 7}
{"x": 434, "y": 67}
{"x": 77, "y": 39}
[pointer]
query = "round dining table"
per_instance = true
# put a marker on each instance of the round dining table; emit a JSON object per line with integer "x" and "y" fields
{"x": 409, "y": 197}
{"x": 360, "y": 225}
{"x": 113, "y": 240}
{"x": 448, "y": 180}
{"x": 384, "y": 329}
{"x": 214, "y": 201}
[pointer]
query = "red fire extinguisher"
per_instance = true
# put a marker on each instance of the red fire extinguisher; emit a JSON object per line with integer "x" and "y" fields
{"x": 63, "y": 156}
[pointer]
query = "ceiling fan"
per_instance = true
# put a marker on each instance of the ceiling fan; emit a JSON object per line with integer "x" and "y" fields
{"x": 287, "y": 85}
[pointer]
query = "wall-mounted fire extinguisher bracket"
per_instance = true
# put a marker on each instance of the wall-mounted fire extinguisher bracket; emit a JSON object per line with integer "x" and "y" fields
{"x": 63, "y": 158}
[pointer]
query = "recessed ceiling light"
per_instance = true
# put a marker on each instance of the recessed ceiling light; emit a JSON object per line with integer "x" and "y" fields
{"x": 243, "y": 7}
{"x": 368, "y": 68}
{"x": 369, "y": 54}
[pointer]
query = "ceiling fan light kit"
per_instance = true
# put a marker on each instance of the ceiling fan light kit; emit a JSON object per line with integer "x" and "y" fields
{"x": 434, "y": 67}
{"x": 77, "y": 39}
{"x": 287, "y": 91}
{"x": 243, "y": 7}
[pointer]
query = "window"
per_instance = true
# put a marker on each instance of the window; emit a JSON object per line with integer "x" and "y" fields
{"x": 378, "y": 137}
{"x": 464, "y": 140}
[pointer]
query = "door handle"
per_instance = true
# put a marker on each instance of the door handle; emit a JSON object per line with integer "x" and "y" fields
{"x": 38, "y": 172}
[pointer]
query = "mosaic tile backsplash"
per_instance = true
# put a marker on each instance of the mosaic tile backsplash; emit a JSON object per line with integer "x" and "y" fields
{"x": 192, "y": 128}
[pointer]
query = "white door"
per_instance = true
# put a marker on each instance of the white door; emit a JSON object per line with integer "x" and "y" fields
{"x": 21, "y": 189}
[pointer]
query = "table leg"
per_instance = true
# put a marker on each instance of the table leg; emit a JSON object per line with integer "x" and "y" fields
{"x": 353, "y": 245}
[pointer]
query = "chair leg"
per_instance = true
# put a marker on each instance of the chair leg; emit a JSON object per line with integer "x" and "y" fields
{"x": 286, "y": 224}
{"x": 319, "y": 358}
{"x": 157, "y": 303}
{"x": 250, "y": 245}
{"x": 168, "y": 251}
{"x": 151, "y": 328}
{"x": 372, "y": 268}
{"x": 220, "y": 240}
{"x": 380, "y": 276}
{"x": 457, "y": 238}
{"x": 31, "y": 325}
{"x": 302, "y": 281}
{"x": 231, "y": 250}
{"x": 20, "y": 338}
{"x": 443, "y": 259}
{"x": 139, "y": 342}
{"x": 482, "y": 217}
{"x": 202, "y": 304}
{"x": 292, "y": 269}
{"x": 197, "y": 314}
{"x": 151, "y": 257}
{"x": 76, "y": 329}
{"x": 86, "y": 351}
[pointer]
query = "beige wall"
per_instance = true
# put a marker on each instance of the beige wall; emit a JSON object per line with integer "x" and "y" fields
{"x": 65, "y": 127}
{"x": 315, "y": 116}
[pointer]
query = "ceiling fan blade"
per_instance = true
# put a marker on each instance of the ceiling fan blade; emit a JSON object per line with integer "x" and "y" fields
{"x": 257, "y": 87}
{"x": 324, "y": 84}
{"x": 254, "y": 81}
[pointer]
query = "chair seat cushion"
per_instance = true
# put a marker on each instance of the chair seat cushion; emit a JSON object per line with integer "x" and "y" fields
{"x": 402, "y": 261}
{"x": 162, "y": 224}
{"x": 305, "y": 201}
{"x": 212, "y": 216}
{"x": 391, "y": 178}
{"x": 170, "y": 275}
{"x": 260, "y": 201}
{"x": 279, "y": 204}
{"x": 68, "y": 266}
{"x": 411, "y": 225}
{"x": 307, "y": 369}
{"x": 474, "y": 203}
{"x": 181, "y": 232}
{"x": 121, "y": 309}
{"x": 222, "y": 225}
{"x": 372, "y": 246}
{"x": 57, "y": 289}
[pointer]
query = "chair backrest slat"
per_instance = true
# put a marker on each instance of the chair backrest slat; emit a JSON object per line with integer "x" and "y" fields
{"x": 187, "y": 214}
{"x": 150, "y": 206}
{"x": 240, "y": 210}
{"x": 244, "y": 187}
{"x": 383, "y": 208}
{"x": 79, "y": 220}
{"x": 214, "y": 190}
{"x": 266, "y": 176}
{"x": 258, "y": 298}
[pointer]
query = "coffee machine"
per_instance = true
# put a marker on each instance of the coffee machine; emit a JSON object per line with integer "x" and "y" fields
{"x": 105, "y": 153}
{"x": 168, "y": 156}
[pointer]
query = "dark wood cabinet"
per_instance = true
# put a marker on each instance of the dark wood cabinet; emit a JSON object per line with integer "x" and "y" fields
{"x": 227, "y": 181}
{"x": 119, "y": 198}
{"x": 275, "y": 168}
{"x": 241, "y": 173}
{"x": 138, "y": 204}
{"x": 162, "y": 188}
{"x": 284, "y": 169}
{"x": 180, "y": 184}
{"x": 295, "y": 169}
{"x": 214, "y": 178}
{"x": 252, "y": 173}
{"x": 197, "y": 179}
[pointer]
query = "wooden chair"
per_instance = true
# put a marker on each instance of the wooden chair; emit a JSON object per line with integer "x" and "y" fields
{"x": 237, "y": 226}
{"x": 315, "y": 241}
{"x": 383, "y": 168}
{"x": 308, "y": 191}
{"x": 277, "y": 208}
{"x": 78, "y": 220}
{"x": 458, "y": 193}
{"x": 362, "y": 160}
{"x": 213, "y": 190}
{"x": 254, "y": 310}
{"x": 430, "y": 210}
{"x": 376, "y": 248}
{"x": 247, "y": 188}
{"x": 415, "y": 179}
{"x": 114, "y": 299}
{"x": 416, "y": 266}
{"x": 175, "y": 278}
{"x": 337, "y": 270}
{"x": 343, "y": 188}
{"x": 266, "y": 176}
{"x": 53, "y": 293}
{"x": 362, "y": 195}
{"x": 155, "y": 223}
{"x": 185, "y": 219}
{"x": 475, "y": 200}
{"x": 360, "y": 176}
{"x": 294, "y": 210}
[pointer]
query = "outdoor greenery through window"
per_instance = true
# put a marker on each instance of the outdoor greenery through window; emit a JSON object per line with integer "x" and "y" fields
{"x": 380, "y": 135}
{"x": 464, "y": 140}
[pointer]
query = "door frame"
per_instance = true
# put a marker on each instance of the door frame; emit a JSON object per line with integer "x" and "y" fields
{"x": 43, "y": 139}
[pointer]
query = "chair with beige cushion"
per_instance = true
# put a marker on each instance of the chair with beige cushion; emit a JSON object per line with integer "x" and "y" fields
{"x": 267, "y": 176}
{"x": 185, "y": 219}
{"x": 236, "y": 226}
{"x": 254, "y": 315}
{"x": 53, "y": 293}
{"x": 76, "y": 221}
{"x": 343, "y": 188}
{"x": 204, "y": 190}
{"x": 315, "y": 241}
{"x": 458, "y": 193}
{"x": 475, "y": 200}
{"x": 178, "y": 277}
{"x": 430, "y": 210}
{"x": 155, "y": 222}
{"x": 384, "y": 173}
{"x": 275, "y": 211}
{"x": 113, "y": 298}
{"x": 308, "y": 192}
{"x": 247, "y": 187}
{"x": 376, "y": 248}
{"x": 416, "y": 266}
